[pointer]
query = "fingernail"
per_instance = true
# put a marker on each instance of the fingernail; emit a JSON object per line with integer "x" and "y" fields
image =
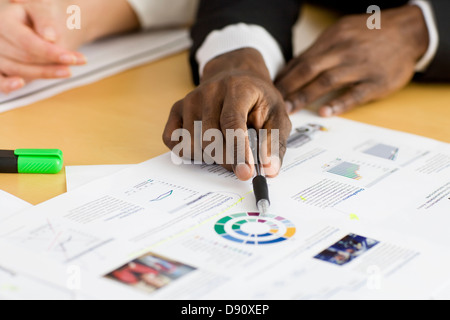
{"x": 289, "y": 106}
{"x": 299, "y": 103}
{"x": 327, "y": 112}
{"x": 274, "y": 167}
{"x": 82, "y": 59}
{"x": 338, "y": 109}
{"x": 16, "y": 84}
{"x": 50, "y": 34}
{"x": 62, "y": 73}
{"x": 243, "y": 171}
{"x": 68, "y": 58}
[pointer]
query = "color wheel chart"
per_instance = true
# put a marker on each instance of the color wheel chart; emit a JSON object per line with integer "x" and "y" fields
{"x": 250, "y": 228}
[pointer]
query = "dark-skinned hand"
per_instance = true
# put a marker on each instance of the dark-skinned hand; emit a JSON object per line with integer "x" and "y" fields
{"x": 363, "y": 65}
{"x": 236, "y": 92}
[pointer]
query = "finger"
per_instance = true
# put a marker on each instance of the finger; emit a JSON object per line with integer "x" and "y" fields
{"x": 355, "y": 96}
{"x": 33, "y": 72}
{"x": 29, "y": 42}
{"x": 233, "y": 123}
{"x": 289, "y": 66}
{"x": 305, "y": 70}
{"x": 213, "y": 142}
{"x": 273, "y": 141}
{"x": 42, "y": 15}
{"x": 174, "y": 123}
{"x": 10, "y": 84}
{"x": 12, "y": 52}
{"x": 327, "y": 82}
{"x": 191, "y": 124}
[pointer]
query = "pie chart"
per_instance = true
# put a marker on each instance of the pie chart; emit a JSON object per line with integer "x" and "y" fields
{"x": 252, "y": 229}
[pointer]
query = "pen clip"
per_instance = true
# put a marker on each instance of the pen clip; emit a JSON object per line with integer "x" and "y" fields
{"x": 253, "y": 140}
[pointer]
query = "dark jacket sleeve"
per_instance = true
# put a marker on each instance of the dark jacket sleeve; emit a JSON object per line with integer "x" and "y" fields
{"x": 277, "y": 16}
{"x": 439, "y": 69}
{"x": 357, "y": 6}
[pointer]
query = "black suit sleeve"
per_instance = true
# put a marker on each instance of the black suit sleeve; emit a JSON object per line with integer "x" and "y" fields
{"x": 439, "y": 69}
{"x": 356, "y": 6}
{"x": 277, "y": 16}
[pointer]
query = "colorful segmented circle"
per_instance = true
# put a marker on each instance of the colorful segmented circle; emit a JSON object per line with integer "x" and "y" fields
{"x": 250, "y": 228}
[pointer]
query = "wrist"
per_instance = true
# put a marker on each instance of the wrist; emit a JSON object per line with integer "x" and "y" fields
{"x": 245, "y": 60}
{"x": 120, "y": 18}
{"x": 415, "y": 30}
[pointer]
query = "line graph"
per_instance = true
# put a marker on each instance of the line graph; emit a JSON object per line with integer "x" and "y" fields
{"x": 62, "y": 243}
{"x": 163, "y": 196}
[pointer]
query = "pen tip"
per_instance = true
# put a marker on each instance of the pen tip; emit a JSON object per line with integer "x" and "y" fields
{"x": 263, "y": 207}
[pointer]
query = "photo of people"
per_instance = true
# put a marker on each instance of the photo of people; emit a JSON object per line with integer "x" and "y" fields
{"x": 150, "y": 272}
{"x": 347, "y": 249}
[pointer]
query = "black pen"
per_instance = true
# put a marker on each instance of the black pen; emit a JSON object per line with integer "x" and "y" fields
{"x": 260, "y": 187}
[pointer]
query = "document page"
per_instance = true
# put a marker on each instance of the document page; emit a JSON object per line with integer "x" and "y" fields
{"x": 357, "y": 212}
{"x": 10, "y": 205}
{"x": 77, "y": 176}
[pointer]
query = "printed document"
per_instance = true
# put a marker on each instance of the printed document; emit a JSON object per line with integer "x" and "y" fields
{"x": 358, "y": 212}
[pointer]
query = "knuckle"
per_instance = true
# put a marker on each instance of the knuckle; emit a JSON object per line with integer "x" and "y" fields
{"x": 234, "y": 84}
{"x": 167, "y": 134}
{"x": 328, "y": 79}
{"x": 209, "y": 122}
{"x": 307, "y": 67}
{"x": 177, "y": 106}
{"x": 229, "y": 120}
{"x": 26, "y": 44}
{"x": 240, "y": 84}
{"x": 167, "y": 138}
{"x": 11, "y": 68}
{"x": 49, "y": 52}
{"x": 27, "y": 57}
{"x": 44, "y": 72}
{"x": 358, "y": 95}
{"x": 234, "y": 80}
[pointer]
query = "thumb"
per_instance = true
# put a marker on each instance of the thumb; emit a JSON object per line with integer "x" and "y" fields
{"x": 43, "y": 18}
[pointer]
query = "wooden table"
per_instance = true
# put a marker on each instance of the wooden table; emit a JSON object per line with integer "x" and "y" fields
{"x": 120, "y": 120}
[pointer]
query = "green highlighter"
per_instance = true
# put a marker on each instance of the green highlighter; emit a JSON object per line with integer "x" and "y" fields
{"x": 38, "y": 161}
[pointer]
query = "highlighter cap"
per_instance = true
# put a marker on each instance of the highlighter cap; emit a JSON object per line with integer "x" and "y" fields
{"x": 39, "y": 161}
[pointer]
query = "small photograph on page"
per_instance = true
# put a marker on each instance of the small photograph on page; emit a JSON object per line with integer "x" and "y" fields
{"x": 346, "y": 250}
{"x": 150, "y": 272}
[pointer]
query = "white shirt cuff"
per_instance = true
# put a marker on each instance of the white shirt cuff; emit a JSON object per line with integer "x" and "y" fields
{"x": 164, "y": 13}
{"x": 433, "y": 45}
{"x": 239, "y": 36}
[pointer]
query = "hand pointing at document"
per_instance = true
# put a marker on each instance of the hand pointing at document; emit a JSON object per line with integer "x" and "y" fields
{"x": 236, "y": 92}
